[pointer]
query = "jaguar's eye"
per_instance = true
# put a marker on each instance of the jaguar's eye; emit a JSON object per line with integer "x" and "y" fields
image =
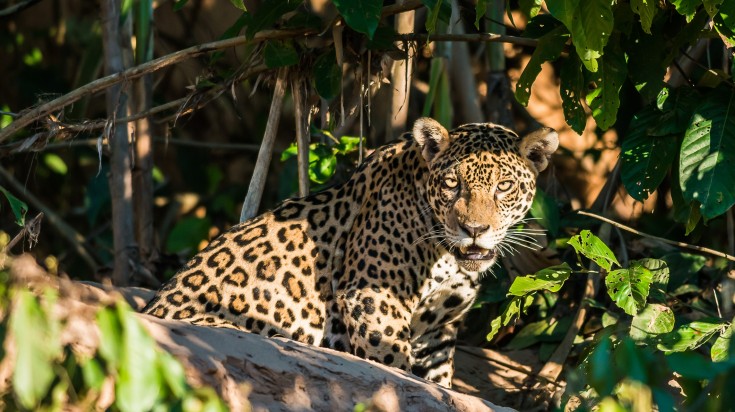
{"x": 450, "y": 182}
{"x": 505, "y": 185}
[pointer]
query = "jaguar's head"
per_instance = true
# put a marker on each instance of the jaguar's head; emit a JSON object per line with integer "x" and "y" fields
{"x": 482, "y": 179}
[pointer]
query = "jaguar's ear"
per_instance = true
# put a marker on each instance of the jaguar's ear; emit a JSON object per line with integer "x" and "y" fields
{"x": 431, "y": 137}
{"x": 538, "y": 146}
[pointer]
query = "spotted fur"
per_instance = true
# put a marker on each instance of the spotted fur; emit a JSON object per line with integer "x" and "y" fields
{"x": 382, "y": 266}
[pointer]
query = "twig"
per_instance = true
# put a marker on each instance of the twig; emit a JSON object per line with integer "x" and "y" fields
{"x": 17, "y": 8}
{"x": 157, "y": 140}
{"x": 667, "y": 241}
{"x": 257, "y": 181}
{"x": 96, "y": 86}
{"x": 75, "y": 239}
{"x": 474, "y": 37}
{"x": 32, "y": 228}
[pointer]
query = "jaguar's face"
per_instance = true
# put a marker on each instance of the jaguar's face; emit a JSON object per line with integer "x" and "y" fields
{"x": 482, "y": 179}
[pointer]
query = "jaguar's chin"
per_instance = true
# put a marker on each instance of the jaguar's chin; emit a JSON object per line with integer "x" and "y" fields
{"x": 474, "y": 258}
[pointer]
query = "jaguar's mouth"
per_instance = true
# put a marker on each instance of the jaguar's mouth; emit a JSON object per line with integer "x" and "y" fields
{"x": 473, "y": 252}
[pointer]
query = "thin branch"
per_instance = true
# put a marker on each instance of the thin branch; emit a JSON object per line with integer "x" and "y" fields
{"x": 473, "y": 37}
{"x": 667, "y": 241}
{"x": 45, "y": 109}
{"x": 157, "y": 140}
{"x": 257, "y": 181}
{"x": 17, "y": 8}
{"x": 32, "y": 228}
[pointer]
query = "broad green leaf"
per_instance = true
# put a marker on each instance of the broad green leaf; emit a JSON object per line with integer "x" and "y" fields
{"x": 551, "y": 278}
{"x": 511, "y": 312}
{"x": 572, "y": 92}
{"x": 684, "y": 212}
{"x": 683, "y": 266}
{"x": 36, "y": 349}
{"x": 139, "y": 383}
{"x": 93, "y": 373}
{"x": 646, "y": 159}
{"x": 629, "y": 288}
{"x": 18, "y": 207}
{"x": 173, "y": 373}
{"x": 720, "y": 349}
{"x": 541, "y": 331}
{"x": 279, "y": 54}
{"x": 327, "y": 75}
{"x": 545, "y": 209}
{"x": 690, "y": 336}
{"x": 347, "y": 144}
{"x": 530, "y": 7}
{"x": 653, "y": 320}
{"x": 361, "y": 15}
{"x": 677, "y": 106}
{"x": 661, "y": 275}
{"x": 549, "y": 48}
{"x": 110, "y": 336}
{"x": 593, "y": 249}
{"x": 590, "y": 22}
{"x": 712, "y": 6}
{"x": 686, "y": 7}
{"x": 322, "y": 164}
{"x": 724, "y": 21}
{"x": 439, "y": 9}
{"x": 647, "y": 10}
{"x": 480, "y": 11}
{"x": 265, "y": 17}
{"x": 240, "y": 4}
{"x": 187, "y": 233}
{"x": 707, "y": 156}
{"x": 55, "y": 163}
{"x": 605, "y": 99}
{"x": 179, "y": 4}
{"x": 601, "y": 371}
{"x": 648, "y": 59}
{"x": 541, "y": 25}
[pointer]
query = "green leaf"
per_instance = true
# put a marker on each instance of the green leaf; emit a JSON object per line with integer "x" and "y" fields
{"x": 605, "y": 99}
{"x": 720, "y": 349}
{"x": 173, "y": 373}
{"x": 361, "y": 15}
{"x": 549, "y": 48}
{"x": 187, "y": 233}
{"x": 545, "y": 209}
{"x": 572, "y": 91}
{"x": 179, "y": 4}
{"x": 139, "y": 383}
{"x": 110, "y": 337}
{"x": 653, "y": 320}
{"x": 690, "y": 336}
{"x": 18, "y": 207}
{"x": 712, "y": 6}
{"x": 266, "y": 16}
{"x": 601, "y": 371}
{"x": 36, "y": 349}
{"x": 280, "y": 54}
{"x": 686, "y": 7}
{"x": 480, "y": 11}
{"x": 629, "y": 288}
{"x": 646, "y": 159}
{"x": 438, "y": 9}
{"x": 55, "y": 163}
{"x": 322, "y": 164}
{"x": 530, "y": 7}
{"x": 648, "y": 59}
{"x": 590, "y": 22}
{"x": 511, "y": 312}
{"x": 660, "y": 271}
{"x": 240, "y": 4}
{"x": 725, "y": 20}
{"x": 594, "y": 249}
{"x": 677, "y": 106}
{"x": 551, "y": 278}
{"x": 541, "y": 25}
{"x": 694, "y": 366}
{"x": 327, "y": 76}
{"x": 347, "y": 145}
{"x": 647, "y": 10}
{"x": 93, "y": 373}
{"x": 707, "y": 155}
{"x": 541, "y": 331}
{"x": 683, "y": 266}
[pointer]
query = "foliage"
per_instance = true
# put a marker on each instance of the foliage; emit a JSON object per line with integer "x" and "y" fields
{"x": 628, "y": 363}
{"x": 18, "y": 207}
{"x": 49, "y": 375}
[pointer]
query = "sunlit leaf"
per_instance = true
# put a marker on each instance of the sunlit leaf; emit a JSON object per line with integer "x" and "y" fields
{"x": 605, "y": 99}
{"x": 721, "y": 347}
{"x": 55, "y": 163}
{"x": 139, "y": 383}
{"x": 707, "y": 157}
{"x": 18, "y": 207}
{"x": 660, "y": 270}
{"x": 652, "y": 321}
{"x": 629, "y": 288}
{"x": 512, "y": 311}
{"x": 551, "y": 278}
{"x": 646, "y": 9}
{"x": 541, "y": 331}
{"x": 691, "y": 335}
{"x": 530, "y": 8}
{"x": 590, "y": 22}
{"x": 686, "y": 7}
{"x": 240, "y": 4}
{"x": 594, "y": 249}
{"x": 549, "y": 48}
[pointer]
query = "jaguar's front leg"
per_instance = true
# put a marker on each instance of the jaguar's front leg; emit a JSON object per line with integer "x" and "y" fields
{"x": 433, "y": 353}
{"x": 378, "y": 327}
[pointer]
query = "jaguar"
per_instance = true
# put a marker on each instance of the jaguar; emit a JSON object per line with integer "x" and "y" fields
{"x": 382, "y": 266}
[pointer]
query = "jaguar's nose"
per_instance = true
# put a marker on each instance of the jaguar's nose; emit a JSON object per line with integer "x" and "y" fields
{"x": 474, "y": 230}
